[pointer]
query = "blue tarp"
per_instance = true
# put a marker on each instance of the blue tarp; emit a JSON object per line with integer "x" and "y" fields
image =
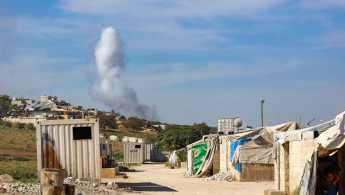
{"x": 233, "y": 145}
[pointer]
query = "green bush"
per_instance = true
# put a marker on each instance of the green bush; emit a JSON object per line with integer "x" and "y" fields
{"x": 3, "y": 158}
{"x": 119, "y": 138}
{"x": 19, "y": 125}
{"x": 30, "y": 126}
{"x": 5, "y": 124}
{"x": 182, "y": 155}
{"x": 22, "y": 158}
{"x": 21, "y": 173}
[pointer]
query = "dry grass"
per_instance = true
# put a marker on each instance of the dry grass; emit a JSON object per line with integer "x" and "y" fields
{"x": 18, "y": 140}
{"x": 18, "y": 154}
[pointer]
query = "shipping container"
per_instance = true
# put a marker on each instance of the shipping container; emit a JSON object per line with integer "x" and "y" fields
{"x": 134, "y": 153}
{"x": 72, "y": 145}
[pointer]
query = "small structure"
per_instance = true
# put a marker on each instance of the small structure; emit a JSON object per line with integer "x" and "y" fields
{"x": 107, "y": 152}
{"x": 72, "y": 145}
{"x": 251, "y": 154}
{"x": 304, "y": 157}
{"x": 134, "y": 153}
{"x": 203, "y": 156}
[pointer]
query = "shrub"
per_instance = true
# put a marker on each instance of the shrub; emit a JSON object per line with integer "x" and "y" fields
{"x": 30, "y": 126}
{"x": 22, "y": 158}
{"x": 120, "y": 138}
{"x": 6, "y": 124}
{"x": 21, "y": 173}
{"x": 20, "y": 125}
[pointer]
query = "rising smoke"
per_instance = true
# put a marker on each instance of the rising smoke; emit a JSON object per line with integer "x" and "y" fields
{"x": 109, "y": 88}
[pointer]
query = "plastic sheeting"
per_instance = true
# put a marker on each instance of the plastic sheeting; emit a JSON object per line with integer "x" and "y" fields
{"x": 207, "y": 162}
{"x": 199, "y": 152}
{"x": 233, "y": 146}
{"x": 308, "y": 181}
{"x": 173, "y": 159}
{"x": 253, "y": 154}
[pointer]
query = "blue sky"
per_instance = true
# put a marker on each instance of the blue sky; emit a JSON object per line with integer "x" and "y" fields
{"x": 195, "y": 61}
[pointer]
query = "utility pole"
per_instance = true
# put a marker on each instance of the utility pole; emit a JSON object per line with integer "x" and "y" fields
{"x": 262, "y": 114}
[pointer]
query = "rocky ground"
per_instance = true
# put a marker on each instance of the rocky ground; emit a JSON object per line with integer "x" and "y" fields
{"x": 81, "y": 188}
{"x": 221, "y": 176}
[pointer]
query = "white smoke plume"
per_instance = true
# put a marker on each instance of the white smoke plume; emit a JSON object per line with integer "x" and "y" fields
{"x": 109, "y": 88}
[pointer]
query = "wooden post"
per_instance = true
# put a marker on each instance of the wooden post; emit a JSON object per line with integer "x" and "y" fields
{"x": 262, "y": 114}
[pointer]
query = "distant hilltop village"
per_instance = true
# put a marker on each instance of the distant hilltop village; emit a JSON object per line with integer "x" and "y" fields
{"x": 21, "y": 110}
{"x": 48, "y": 107}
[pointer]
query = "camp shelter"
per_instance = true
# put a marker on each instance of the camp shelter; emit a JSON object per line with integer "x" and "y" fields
{"x": 304, "y": 157}
{"x": 224, "y": 148}
{"x": 72, "y": 145}
{"x": 251, "y": 154}
{"x": 203, "y": 156}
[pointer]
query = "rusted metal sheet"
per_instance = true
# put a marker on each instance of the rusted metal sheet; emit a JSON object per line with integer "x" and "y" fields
{"x": 72, "y": 145}
{"x": 134, "y": 153}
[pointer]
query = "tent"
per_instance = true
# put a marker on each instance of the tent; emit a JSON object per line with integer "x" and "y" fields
{"x": 251, "y": 155}
{"x": 303, "y": 157}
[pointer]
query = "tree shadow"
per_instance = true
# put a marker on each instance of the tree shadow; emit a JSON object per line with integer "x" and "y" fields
{"x": 145, "y": 186}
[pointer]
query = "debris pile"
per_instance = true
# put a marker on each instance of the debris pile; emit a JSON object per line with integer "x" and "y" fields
{"x": 19, "y": 188}
{"x": 221, "y": 176}
{"x": 81, "y": 188}
{"x": 89, "y": 187}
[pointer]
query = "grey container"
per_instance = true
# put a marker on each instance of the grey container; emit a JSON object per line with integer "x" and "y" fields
{"x": 72, "y": 145}
{"x": 226, "y": 126}
{"x": 134, "y": 153}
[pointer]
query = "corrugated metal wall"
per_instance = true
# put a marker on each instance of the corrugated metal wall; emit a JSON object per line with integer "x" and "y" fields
{"x": 56, "y": 148}
{"x": 148, "y": 151}
{"x": 134, "y": 154}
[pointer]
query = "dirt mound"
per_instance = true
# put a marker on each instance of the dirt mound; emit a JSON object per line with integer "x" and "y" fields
{"x": 5, "y": 178}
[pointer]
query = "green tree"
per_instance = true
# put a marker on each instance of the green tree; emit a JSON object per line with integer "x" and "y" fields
{"x": 5, "y": 104}
{"x": 203, "y": 128}
{"x": 177, "y": 136}
{"x": 30, "y": 126}
{"x": 107, "y": 121}
{"x": 134, "y": 123}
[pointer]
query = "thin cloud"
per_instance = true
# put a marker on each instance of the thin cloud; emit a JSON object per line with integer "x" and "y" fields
{"x": 169, "y": 8}
{"x": 146, "y": 80}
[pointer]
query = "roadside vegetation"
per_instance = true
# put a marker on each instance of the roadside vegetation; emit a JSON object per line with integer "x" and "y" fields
{"x": 179, "y": 136}
{"x": 18, "y": 151}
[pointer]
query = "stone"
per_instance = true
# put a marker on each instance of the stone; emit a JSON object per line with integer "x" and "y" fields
{"x": 3, "y": 190}
{"x": 6, "y": 178}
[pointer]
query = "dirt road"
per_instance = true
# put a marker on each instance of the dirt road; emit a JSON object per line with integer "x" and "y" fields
{"x": 155, "y": 178}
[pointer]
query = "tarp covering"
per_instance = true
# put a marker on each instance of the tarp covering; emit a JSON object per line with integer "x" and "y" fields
{"x": 258, "y": 147}
{"x": 333, "y": 138}
{"x": 308, "y": 181}
{"x": 212, "y": 144}
{"x": 233, "y": 146}
{"x": 200, "y": 150}
{"x": 253, "y": 154}
{"x": 173, "y": 159}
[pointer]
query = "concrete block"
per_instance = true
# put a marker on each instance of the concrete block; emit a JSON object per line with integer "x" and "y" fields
{"x": 294, "y": 137}
{"x": 308, "y": 135}
{"x": 109, "y": 172}
{"x": 274, "y": 192}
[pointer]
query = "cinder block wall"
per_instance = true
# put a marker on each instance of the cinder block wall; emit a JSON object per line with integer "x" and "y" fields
{"x": 281, "y": 167}
{"x": 300, "y": 151}
{"x": 216, "y": 161}
{"x": 223, "y": 154}
{"x": 257, "y": 172}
